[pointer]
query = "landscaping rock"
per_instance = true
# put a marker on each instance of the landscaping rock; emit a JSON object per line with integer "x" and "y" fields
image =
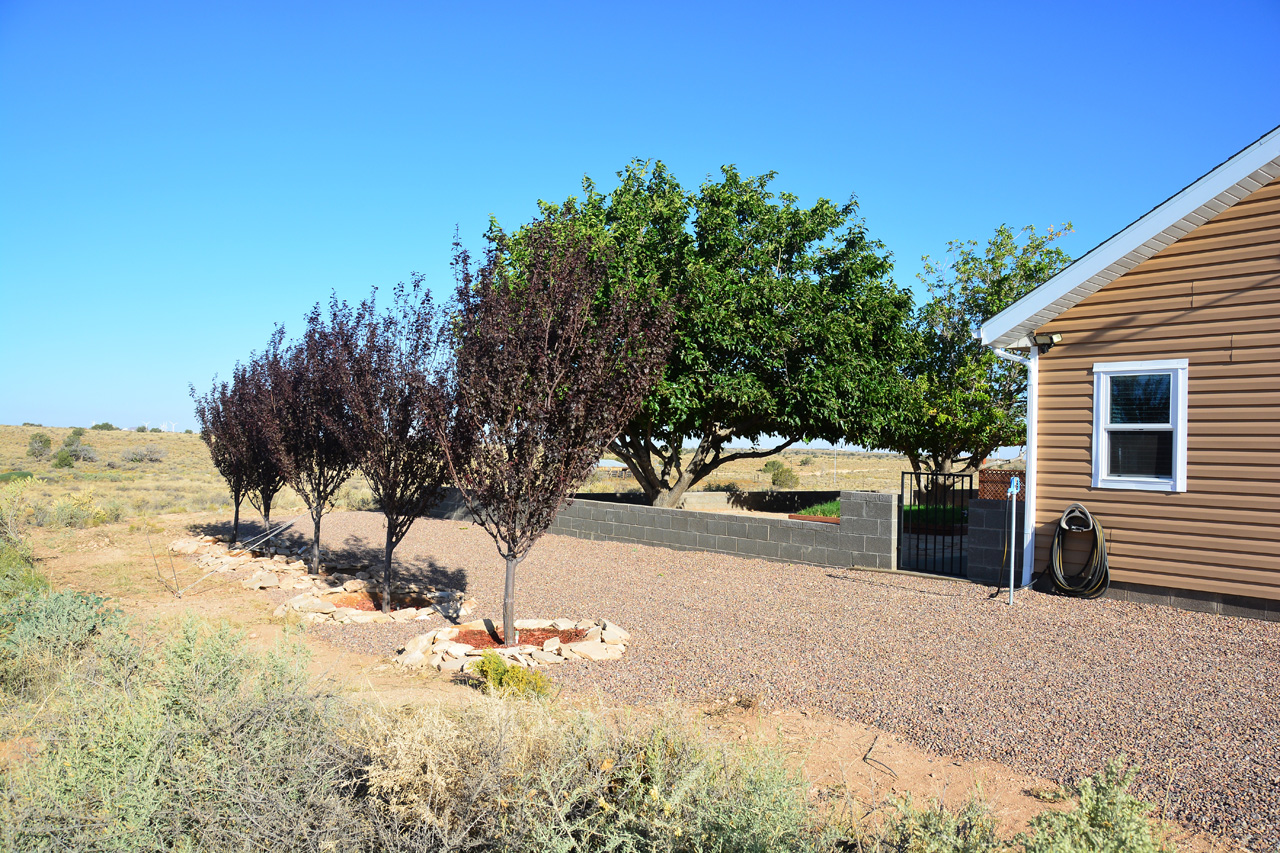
{"x": 314, "y": 605}
{"x": 261, "y": 580}
{"x": 595, "y": 650}
{"x": 551, "y": 644}
{"x": 546, "y": 657}
{"x": 405, "y": 615}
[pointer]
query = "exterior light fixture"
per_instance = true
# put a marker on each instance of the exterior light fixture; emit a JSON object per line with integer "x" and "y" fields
{"x": 1046, "y": 342}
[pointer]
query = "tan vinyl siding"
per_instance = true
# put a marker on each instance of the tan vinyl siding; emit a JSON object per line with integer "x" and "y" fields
{"x": 1213, "y": 298}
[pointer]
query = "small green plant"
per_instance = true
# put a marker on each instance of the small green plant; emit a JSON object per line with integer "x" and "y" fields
{"x": 806, "y": 461}
{"x": 772, "y": 465}
{"x": 38, "y": 445}
{"x": 504, "y": 679}
{"x": 156, "y": 429}
{"x": 39, "y": 632}
{"x": 62, "y": 459}
{"x": 1109, "y": 819}
{"x": 105, "y": 425}
{"x": 10, "y": 476}
{"x": 785, "y": 478}
{"x": 74, "y": 437}
{"x": 139, "y": 429}
{"x": 923, "y": 830}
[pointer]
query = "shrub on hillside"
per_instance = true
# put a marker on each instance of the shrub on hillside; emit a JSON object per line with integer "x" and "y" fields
{"x": 773, "y": 465}
{"x": 785, "y": 478}
{"x": 38, "y": 445}
{"x": 150, "y": 453}
{"x": 156, "y": 429}
{"x": 63, "y": 459}
{"x": 504, "y": 679}
{"x": 139, "y": 429}
{"x": 74, "y": 436}
{"x": 105, "y": 425}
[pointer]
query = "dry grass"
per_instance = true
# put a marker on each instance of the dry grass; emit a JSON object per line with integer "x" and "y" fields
{"x": 184, "y": 480}
{"x": 817, "y": 470}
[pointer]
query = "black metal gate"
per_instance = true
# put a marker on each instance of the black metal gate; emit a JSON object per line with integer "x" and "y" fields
{"x": 934, "y": 521}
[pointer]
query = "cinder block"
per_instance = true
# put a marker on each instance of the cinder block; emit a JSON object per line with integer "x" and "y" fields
{"x": 697, "y": 524}
{"x": 718, "y": 527}
{"x": 737, "y": 528}
{"x": 879, "y": 510}
{"x": 861, "y": 526}
{"x": 758, "y": 531}
{"x": 680, "y": 523}
{"x": 769, "y": 550}
{"x": 852, "y": 544}
{"x": 791, "y": 553}
{"x": 706, "y": 541}
{"x": 727, "y": 544}
{"x": 802, "y": 537}
{"x": 664, "y": 521}
{"x": 780, "y": 534}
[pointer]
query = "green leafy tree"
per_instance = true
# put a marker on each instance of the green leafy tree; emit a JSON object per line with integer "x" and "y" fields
{"x": 785, "y": 318}
{"x": 957, "y": 402}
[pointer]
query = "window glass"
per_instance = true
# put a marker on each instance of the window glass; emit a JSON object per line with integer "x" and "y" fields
{"x": 1141, "y": 398}
{"x": 1141, "y": 453}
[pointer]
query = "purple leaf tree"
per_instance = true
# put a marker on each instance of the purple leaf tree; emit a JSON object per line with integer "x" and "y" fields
{"x": 551, "y": 359}
{"x": 220, "y": 432}
{"x": 310, "y": 412}
{"x": 390, "y": 376}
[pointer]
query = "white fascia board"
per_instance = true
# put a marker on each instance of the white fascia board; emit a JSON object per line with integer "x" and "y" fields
{"x": 1254, "y": 166}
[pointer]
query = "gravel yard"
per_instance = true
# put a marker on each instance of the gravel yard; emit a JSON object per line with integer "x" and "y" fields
{"x": 1051, "y": 686}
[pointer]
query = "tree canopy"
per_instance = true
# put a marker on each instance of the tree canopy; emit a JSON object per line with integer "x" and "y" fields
{"x": 956, "y": 402}
{"x": 551, "y": 359}
{"x": 785, "y": 318}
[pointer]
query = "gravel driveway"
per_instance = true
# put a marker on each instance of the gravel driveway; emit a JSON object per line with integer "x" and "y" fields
{"x": 1051, "y": 686}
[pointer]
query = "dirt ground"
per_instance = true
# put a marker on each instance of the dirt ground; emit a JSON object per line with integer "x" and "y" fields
{"x": 845, "y": 764}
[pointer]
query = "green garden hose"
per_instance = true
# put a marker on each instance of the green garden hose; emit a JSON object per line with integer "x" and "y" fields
{"x": 1095, "y": 578}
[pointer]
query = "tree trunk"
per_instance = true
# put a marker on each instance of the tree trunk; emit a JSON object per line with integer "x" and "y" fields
{"x": 235, "y": 523}
{"x": 509, "y": 637}
{"x": 266, "y": 513}
{"x": 315, "y": 540}
{"x": 386, "y": 573}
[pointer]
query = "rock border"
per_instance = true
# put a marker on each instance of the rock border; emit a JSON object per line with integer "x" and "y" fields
{"x": 438, "y": 649}
{"x": 279, "y": 568}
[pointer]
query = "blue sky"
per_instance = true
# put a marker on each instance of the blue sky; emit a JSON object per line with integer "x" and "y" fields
{"x": 175, "y": 178}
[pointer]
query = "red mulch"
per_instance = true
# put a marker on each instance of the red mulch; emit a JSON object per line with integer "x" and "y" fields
{"x": 480, "y": 639}
{"x": 372, "y": 600}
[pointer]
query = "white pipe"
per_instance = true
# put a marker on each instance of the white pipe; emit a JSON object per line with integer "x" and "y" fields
{"x": 1033, "y": 429}
{"x": 1008, "y": 356}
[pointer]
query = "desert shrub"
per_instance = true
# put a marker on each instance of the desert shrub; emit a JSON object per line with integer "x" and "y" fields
{"x": 356, "y": 498}
{"x": 198, "y": 744}
{"x": 912, "y": 829}
{"x": 187, "y": 432}
{"x": 1108, "y": 819}
{"x": 806, "y": 461}
{"x": 18, "y": 573}
{"x": 74, "y": 437}
{"x": 150, "y": 453}
{"x": 40, "y": 631}
{"x": 503, "y": 679}
{"x": 105, "y": 425}
{"x": 773, "y": 465}
{"x": 519, "y": 776}
{"x": 38, "y": 445}
{"x": 29, "y": 423}
{"x": 139, "y": 429}
{"x": 10, "y": 476}
{"x": 63, "y": 459}
{"x": 156, "y": 429}
{"x": 785, "y": 478}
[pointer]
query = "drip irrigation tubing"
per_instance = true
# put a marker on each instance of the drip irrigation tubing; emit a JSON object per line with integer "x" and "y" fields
{"x": 1095, "y": 577}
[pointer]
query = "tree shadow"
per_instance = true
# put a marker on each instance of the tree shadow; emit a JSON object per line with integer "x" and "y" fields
{"x": 352, "y": 555}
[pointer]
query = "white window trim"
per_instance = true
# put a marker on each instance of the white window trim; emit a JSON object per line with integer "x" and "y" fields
{"x": 1102, "y": 372}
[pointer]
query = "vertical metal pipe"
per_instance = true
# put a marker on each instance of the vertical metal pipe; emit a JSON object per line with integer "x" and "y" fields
{"x": 1033, "y": 430}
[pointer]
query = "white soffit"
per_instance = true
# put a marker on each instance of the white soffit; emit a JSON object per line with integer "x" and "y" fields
{"x": 1254, "y": 167}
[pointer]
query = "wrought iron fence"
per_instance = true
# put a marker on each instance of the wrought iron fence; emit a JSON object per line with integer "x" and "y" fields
{"x": 934, "y": 522}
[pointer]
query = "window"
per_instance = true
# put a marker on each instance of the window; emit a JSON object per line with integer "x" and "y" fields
{"x": 1140, "y": 425}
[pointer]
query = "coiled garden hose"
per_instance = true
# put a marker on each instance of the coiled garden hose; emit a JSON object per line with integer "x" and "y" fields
{"x": 1095, "y": 578}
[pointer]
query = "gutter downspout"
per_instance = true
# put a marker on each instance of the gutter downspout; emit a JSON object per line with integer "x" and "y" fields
{"x": 1033, "y": 429}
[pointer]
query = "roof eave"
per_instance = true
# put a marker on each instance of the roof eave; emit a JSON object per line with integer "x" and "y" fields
{"x": 1233, "y": 180}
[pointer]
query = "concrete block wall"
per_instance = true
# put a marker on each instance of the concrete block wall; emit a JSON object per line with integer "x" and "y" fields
{"x": 865, "y": 536}
{"x": 988, "y": 540}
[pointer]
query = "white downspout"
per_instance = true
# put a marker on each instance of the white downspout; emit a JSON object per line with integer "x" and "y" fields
{"x": 1033, "y": 429}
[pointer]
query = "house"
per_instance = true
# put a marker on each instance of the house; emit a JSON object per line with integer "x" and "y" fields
{"x": 1154, "y": 394}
